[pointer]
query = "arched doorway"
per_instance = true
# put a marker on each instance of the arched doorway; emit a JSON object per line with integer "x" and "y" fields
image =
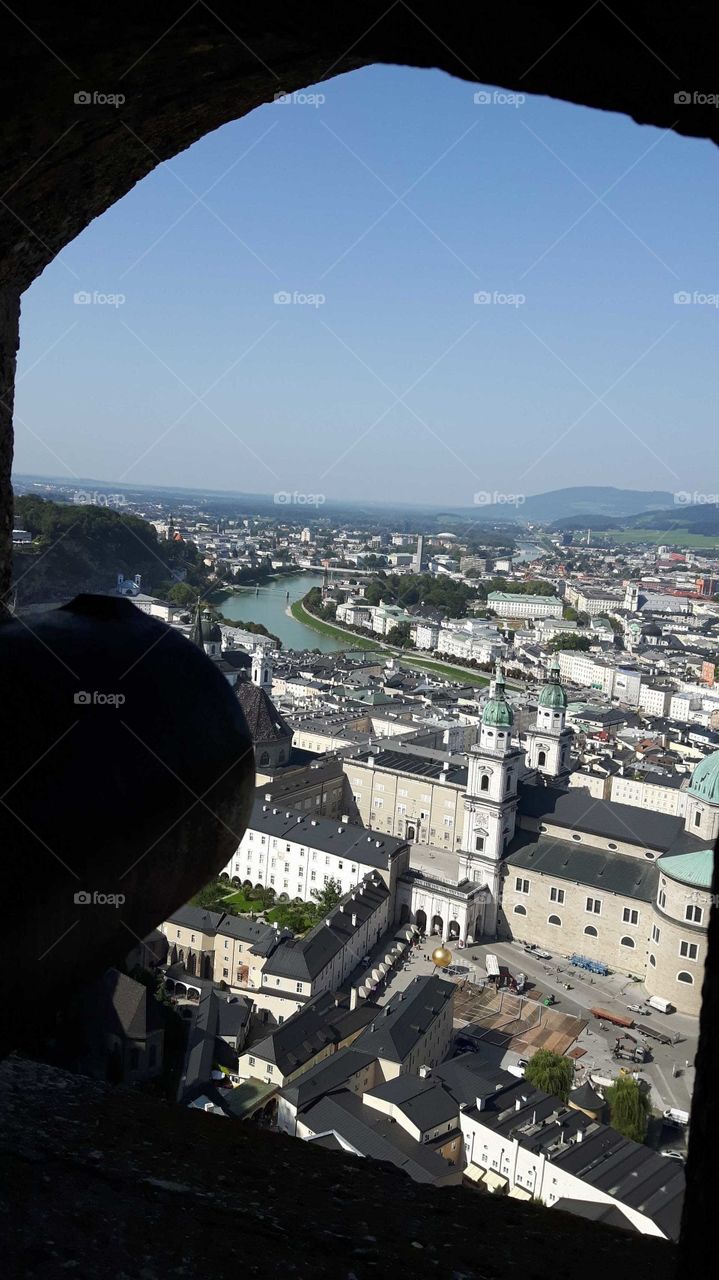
{"x": 420, "y": 919}
{"x": 410, "y": 831}
{"x": 437, "y": 926}
{"x": 453, "y": 931}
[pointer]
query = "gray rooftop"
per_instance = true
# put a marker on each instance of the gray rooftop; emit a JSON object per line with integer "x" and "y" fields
{"x": 594, "y": 868}
{"x": 405, "y": 1018}
{"x": 370, "y": 1133}
{"x": 360, "y": 844}
{"x": 305, "y": 958}
{"x": 577, "y": 810}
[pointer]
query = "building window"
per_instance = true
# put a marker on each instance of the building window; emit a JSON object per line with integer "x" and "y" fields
{"x": 520, "y": 910}
{"x": 299, "y": 986}
{"x": 611, "y": 845}
{"x": 556, "y": 895}
{"x": 594, "y": 905}
{"x": 698, "y": 818}
{"x": 270, "y": 1069}
{"x": 626, "y": 942}
{"x": 554, "y": 920}
{"x": 575, "y": 836}
{"x": 479, "y": 843}
{"x": 656, "y": 933}
{"x": 484, "y": 783}
{"x": 542, "y": 759}
{"x": 688, "y": 950}
{"x": 521, "y": 886}
{"x": 225, "y": 973}
{"x": 694, "y": 914}
{"x": 591, "y": 931}
{"x": 685, "y": 977}
{"x": 629, "y": 916}
{"x": 652, "y": 962}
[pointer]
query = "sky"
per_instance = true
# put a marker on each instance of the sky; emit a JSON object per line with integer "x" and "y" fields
{"x": 383, "y": 212}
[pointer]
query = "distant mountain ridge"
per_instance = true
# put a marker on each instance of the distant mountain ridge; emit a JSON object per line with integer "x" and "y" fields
{"x": 580, "y": 502}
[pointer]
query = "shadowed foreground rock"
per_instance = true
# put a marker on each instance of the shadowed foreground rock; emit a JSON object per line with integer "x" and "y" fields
{"x": 107, "y": 1183}
{"x": 127, "y": 775}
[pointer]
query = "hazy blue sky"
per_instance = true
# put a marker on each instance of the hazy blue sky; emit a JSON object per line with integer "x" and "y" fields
{"x": 303, "y": 198}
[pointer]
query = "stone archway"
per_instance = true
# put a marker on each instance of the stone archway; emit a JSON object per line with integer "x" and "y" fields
{"x": 437, "y": 926}
{"x": 420, "y": 920}
{"x": 186, "y": 75}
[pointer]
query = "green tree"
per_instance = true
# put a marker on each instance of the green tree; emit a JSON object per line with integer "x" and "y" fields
{"x": 628, "y": 1108}
{"x": 326, "y": 898}
{"x": 399, "y": 636}
{"x": 551, "y": 1073}
{"x": 571, "y": 641}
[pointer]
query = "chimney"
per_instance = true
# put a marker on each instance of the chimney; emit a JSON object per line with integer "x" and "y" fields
{"x": 345, "y": 819}
{"x": 518, "y": 1104}
{"x": 354, "y": 998}
{"x": 425, "y": 1073}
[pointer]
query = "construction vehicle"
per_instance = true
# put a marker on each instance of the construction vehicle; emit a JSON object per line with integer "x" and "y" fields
{"x": 592, "y": 966}
{"x": 627, "y": 1049}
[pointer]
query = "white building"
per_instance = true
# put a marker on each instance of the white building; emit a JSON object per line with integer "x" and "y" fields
{"x": 508, "y": 605}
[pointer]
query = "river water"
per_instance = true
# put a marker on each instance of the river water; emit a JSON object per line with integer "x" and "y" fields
{"x": 268, "y": 604}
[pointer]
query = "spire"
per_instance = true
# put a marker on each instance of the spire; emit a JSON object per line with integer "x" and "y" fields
{"x": 196, "y": 632}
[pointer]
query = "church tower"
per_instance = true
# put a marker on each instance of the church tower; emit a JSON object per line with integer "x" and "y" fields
{"x": 548, "y": 741}
{"x": 490, "y": 803}
{"x": 261, "y": 672}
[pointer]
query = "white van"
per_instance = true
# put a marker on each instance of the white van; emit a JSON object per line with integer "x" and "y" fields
{"x": 659, "y": 1003}
{"x": 674, "y": 1116}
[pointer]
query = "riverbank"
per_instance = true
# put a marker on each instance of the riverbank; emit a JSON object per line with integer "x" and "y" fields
{"x": 461, "y": 674}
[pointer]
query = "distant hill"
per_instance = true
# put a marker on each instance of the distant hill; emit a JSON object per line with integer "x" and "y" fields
{"x": 698, "y": 518}
{"x": 578, "y": 502}
{"x": 83, "y": 548}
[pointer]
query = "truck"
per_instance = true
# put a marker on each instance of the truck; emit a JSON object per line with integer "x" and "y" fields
{"x": 652, "y": 1032}
{"x": 617, "y": 1019}
{"x": 659, "y": 1003}
{"x": 675, "y": 1117}
{"x": 627, "y": 1050}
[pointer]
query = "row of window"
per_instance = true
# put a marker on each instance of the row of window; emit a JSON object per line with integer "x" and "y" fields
{"x": 687, "y": 950}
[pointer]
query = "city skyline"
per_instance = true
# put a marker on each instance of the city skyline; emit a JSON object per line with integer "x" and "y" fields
{"x": 574, "y": 229}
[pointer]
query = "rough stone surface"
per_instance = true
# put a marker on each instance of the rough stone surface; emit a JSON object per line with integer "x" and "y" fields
{"x": 108, "y": 1183}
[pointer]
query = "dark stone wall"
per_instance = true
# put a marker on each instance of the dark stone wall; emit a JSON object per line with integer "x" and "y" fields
{"x": 107, "y": 1183}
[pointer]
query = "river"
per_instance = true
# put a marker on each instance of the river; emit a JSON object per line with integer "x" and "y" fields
{"x": 269, "y": 606}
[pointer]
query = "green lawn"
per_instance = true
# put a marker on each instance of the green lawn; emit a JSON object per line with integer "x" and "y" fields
{"x": 662, "y": 537}
{"x": 241, "y": 902}
{"x": 465, "y": 674}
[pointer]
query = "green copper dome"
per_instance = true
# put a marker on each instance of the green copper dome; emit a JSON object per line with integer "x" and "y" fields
{"x": 553, "y": 696}
{"x": 705, "y": 779}
{"x": 497, "y": 712}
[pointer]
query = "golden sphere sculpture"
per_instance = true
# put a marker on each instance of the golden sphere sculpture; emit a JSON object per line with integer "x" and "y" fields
{"x": 442, "y": 956}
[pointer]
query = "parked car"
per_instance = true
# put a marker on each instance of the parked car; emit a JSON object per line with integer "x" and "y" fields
{"x": 543, "y": 955}
{"x": 673, "y": 1155}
